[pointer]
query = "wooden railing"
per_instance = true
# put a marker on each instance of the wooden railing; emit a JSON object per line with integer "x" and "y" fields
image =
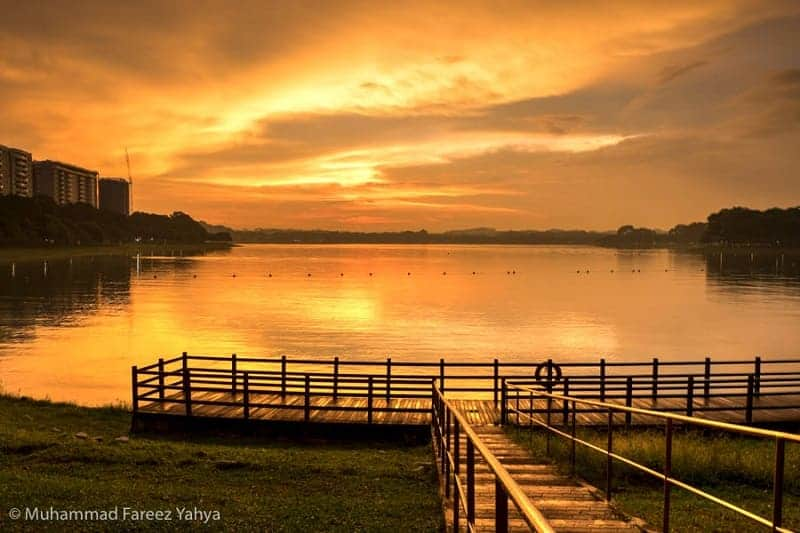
{"x": 448, "y": 425}
{"x": 174, "y": 380}
{"x": 540, "y": 417}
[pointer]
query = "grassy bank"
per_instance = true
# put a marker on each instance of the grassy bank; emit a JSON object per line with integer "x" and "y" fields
{"x": 737, "y": 469}
{"x": 61, "y": 252}
{"x": 254, "y": 485}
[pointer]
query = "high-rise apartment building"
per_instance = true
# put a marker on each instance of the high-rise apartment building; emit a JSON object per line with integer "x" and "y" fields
{"x": 65, "y": 183}
{"x": 16, "y": 172}
{"x": 115, "y": 195}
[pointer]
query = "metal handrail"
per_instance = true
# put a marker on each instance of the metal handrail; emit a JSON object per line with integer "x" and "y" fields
{"x": 503, "y": 480}
{"x": 780, "y": 438}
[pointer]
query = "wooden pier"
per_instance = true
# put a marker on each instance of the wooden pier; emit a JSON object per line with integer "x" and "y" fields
{"x": 463, "y": 406}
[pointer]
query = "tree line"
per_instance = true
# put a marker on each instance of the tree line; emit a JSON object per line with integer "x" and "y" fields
{"x": 39, "y": 221}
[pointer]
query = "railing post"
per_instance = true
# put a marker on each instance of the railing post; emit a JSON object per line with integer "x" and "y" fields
{"x": 184, "y": 361}
{"x": 335, "y": 378}
{"x": 388, "y": 380}
{"x": 441, "y": 375}
{"x": 456, "y": 470}
{"x": 549, "y": 421}
{"x": 503, "y": 398}
{"x": 500, "y": 507}
{"x": 187, "y": 391}
{"x": 160, "y": 378}
{"x": 602, "y": 380}
{"x": 667, "y": 474}
{"x": 470, "y": 482}
{"x": 246, "y": 397}
{"x": 748, "y": 413}
{"x": 707, "y": 380}
{"x": 135, "y": 389}
{"x": 609, "y": 450}
{"x": 574, "y": 431}
{"x": 283, "y": 376}
{"x": 629, "y": 402}
{"x": 565, "y": 407}
{"x": 307, "y": 404}
{"x": 369, "y": 400}
{"x": 777, "y": 486}
{"x": 757, "y": 377}
{"x": 655, "y": 379}
{"x": 496, "y": 387}
{"x": 447, "y": 447}
{"x": 690, "y": 396}
{"x": 233, "y": 374}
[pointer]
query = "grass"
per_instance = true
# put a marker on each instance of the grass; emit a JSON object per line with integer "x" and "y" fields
{"x": 254, "y": 485}
{"x": 62, "y": 252}
{"x": 734, "y": 468}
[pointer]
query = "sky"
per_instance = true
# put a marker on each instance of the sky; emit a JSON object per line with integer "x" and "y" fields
{"x": 410, "y": 115}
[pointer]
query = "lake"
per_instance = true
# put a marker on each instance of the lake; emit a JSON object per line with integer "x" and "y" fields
{"x": 71, "y": 330}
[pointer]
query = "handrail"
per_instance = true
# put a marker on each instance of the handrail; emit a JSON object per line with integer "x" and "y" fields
{"x": 780, "y": 438}
{"x": 726, "y": 426}
{"x": 503, "y": 481}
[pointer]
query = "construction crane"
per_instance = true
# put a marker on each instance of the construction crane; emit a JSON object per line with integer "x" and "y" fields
{"x": 130, "y": 181}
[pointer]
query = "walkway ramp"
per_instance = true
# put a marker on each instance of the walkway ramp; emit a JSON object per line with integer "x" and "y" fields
{"x": 567, "y": 504}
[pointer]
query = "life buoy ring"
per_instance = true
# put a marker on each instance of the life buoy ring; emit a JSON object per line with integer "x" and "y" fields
{"x": 553, "y": 370}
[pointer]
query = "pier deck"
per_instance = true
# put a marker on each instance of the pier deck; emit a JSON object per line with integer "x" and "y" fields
{"x": 767, "y": 410}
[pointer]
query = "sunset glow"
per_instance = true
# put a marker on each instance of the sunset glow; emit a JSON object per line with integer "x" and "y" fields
{"x": 407, "y": 116}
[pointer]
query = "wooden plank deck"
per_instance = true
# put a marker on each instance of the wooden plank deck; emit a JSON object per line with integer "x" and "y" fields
{"x": 767, "y": 409}
{"x": 567, "y": 504}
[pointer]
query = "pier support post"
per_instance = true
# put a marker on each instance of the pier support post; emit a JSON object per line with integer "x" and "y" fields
{"x": 748, "y": 411}
{"x": 369, "y": 400}
{"x": 496, "y": 388}
{"x": 283, "y": 376}
{"x": 187, "y": 391}
{"x": 335, "y": 378}
{"x": 388, "y": 380}
{"x": 307, "y": 405}
{"x": 233, "y": 374}
{"x": 161, "y": 378}
{"x": 246, "y": 397}
{"x": 655, "y": 379}
{"x": 707, "y": 380}
{"x": 690, "y": 396}
{"x": 135, "y": 389}
{"x": 602, "y": 380}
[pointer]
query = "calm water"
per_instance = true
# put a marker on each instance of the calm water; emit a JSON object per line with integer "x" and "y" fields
{"x": 73, "y": 332}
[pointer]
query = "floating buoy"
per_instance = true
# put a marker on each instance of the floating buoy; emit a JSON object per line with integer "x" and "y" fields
{"x": 612, "y": 270}
{"x": 515, "y": 272}
{"x": 444, "y": 273}
{"x": 155, "y": 277}
{"x": 577, "y": 271}
{"x": 269, "y": 275}
{"x": 666, "y": 270}
{"x": 309, "y": 274}
{"x": 233, "y": 275}
{"x": 637, "y": 270}
{"x": 194, "y": 276}
{"x": 633, "y": 270}
{"x": 587, "y": 271}
{"x": 341, "y": 274}
{"x": 408, "y": 274}
{"x": 370, "y": 273}
{"x": 473, "y": 272}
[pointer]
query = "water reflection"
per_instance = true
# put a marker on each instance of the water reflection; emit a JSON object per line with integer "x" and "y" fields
{"x": 74, "y": 333}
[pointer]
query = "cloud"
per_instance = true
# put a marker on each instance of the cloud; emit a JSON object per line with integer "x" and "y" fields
{"x": 406, "y": 114}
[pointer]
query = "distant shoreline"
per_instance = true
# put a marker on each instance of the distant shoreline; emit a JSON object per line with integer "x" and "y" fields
{"x": 130, "y": 249}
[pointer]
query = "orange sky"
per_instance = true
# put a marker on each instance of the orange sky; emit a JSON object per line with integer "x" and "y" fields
{"x": 404, "y": 115}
